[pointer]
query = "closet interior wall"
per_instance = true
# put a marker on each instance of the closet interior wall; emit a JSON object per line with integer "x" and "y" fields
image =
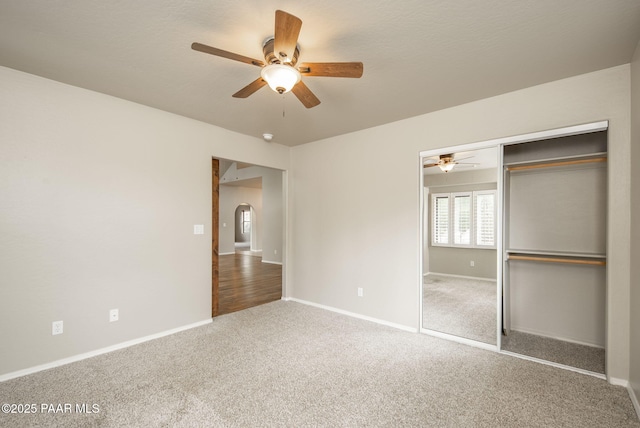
{"x": 555, "y": 205}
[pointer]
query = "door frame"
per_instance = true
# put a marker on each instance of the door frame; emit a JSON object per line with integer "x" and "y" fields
{"x": 215, "y": 233}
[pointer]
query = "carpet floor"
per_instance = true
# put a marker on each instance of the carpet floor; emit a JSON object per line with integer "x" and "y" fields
{"x": 460, "y": 306}
{"x": 559, "y": 351}
{"x": 284, "y": 364}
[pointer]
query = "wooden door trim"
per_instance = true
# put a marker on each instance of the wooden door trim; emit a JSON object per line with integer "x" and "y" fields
{"x": 215, "y": 215}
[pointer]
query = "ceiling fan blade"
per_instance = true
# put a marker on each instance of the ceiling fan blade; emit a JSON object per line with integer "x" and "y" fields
{"x": 430, "y": 165}
{"x": 286, "y": 35}
{"x": 225, "y": 54}
{"x": 331, "y": 69}
{"x": 304, "y": 94}
{"x": 250, "y": 88}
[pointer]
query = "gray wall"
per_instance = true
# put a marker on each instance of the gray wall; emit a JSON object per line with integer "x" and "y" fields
{"x": 378, "y": 169}
{"x": 230, "y": 198}
{"x": 268, "y": 205}
{"x": 457, "y": 261}
{"x": 273, "y": 213}
{"x": 635, "y": 227}
{"x": 98, "y": 201}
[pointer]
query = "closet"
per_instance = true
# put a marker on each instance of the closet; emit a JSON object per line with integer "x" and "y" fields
{"x": 554, "y": 249}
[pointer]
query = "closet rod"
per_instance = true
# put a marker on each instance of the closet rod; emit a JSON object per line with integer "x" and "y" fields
{"x": 558, "y": 260}
{"x": 561, "y": 163}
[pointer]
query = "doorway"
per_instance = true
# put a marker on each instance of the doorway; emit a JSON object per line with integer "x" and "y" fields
{"x": 250, "y": 222}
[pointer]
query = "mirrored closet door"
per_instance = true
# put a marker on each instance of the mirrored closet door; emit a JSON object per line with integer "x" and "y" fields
{"x": 459, "y": 290}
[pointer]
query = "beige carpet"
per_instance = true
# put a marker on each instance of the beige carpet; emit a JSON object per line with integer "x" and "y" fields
{"x": 463, "y": 307}
{"x": 284, "y": 364}
{"x": 558, "y": 351}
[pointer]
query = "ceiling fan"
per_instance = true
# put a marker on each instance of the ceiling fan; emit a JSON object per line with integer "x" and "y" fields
{"x": 446, "y": 162}
{"x": 279, "y": 69}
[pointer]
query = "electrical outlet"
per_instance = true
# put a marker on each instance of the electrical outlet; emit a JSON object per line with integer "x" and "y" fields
{"x": 360, "y": 292}
{"x": 275, "y": 251}
{"x": 198, "y": 229}
{"x": 113, "y": 315}
{"x": 57, "y": 328}
{"x": 472, "y": 263}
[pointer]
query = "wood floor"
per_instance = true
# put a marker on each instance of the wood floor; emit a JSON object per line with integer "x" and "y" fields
{"x": 246, "y": 282}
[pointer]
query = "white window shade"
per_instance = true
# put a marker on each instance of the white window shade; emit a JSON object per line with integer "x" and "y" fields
{"x": 440, "y": 235}
{"x": 462, "y": 219}
{"x": 485, "y": 213}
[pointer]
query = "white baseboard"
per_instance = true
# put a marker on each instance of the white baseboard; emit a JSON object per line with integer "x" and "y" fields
{"x": 618, "y": 382}
{"x": 226, "y": 254}
{"x": 353, "y": 314}
{"x": 101, "y": 351}
{"x": 634, "y": 399}
{"x": 272, "y": 263}
{"x": 552, "y": 364}
{"x": 476, "y": 278}
{"x": 463, "y": 340}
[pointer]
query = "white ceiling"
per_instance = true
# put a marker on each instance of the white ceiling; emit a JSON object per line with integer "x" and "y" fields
{"x": 419, "y": 55}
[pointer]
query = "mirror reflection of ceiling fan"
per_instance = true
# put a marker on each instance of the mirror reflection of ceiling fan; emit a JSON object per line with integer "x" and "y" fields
{"x": 446, "y": 162}
{"x": 279, "y": 69}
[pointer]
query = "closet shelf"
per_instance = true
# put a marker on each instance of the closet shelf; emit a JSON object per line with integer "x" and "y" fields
{"x": 556, "y": 253}
{"x": 558, "y": 161}
{"x": 557, "y": 257}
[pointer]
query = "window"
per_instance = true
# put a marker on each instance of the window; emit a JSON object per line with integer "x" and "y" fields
{"x": 440, "y": 219}
{"x": 485, "y": 213}
{"x": 246, "y": 221}
{"x": 464, "y": 219}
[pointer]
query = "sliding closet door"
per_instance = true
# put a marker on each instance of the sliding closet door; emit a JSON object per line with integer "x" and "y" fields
{"x": 555, "y": 252}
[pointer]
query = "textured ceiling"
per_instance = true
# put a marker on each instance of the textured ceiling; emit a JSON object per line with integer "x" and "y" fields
{"x": 419, "y": 55}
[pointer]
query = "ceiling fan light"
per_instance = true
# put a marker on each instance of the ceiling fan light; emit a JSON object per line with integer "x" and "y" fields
{"x": 446, "y": 167}
{"x": 281, "y": 78}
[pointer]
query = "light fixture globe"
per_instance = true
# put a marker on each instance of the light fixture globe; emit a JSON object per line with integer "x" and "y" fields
{"x": 281, "y": 78}
{"x": 446, "y": 167}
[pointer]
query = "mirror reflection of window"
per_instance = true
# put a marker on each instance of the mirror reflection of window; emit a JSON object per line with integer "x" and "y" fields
{"x": 485, "y": 218}
{"x": 462, "y": 219}
{"x": 468, "y": 216}
{"x": 440, "y": 219}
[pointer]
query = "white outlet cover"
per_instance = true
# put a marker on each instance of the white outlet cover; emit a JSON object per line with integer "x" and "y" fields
{"x": 57, "y": 327}
{"x": 198, "y": 229}
{"x": 113, "y": 315}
